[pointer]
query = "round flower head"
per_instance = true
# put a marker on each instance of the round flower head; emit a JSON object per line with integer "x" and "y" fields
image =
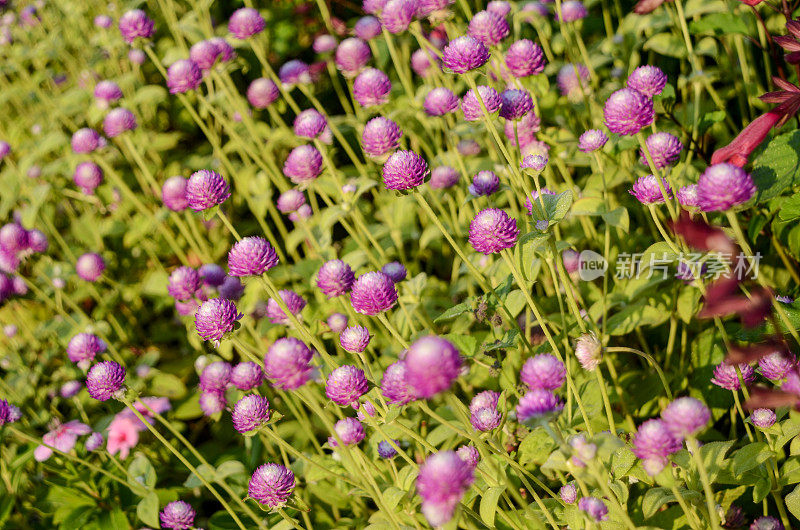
{"x": 422, "y": 61}
{"x": 664, "y": 148}
{"x": 246, "y": 375}
{"x": 725, "y": 375}
{"x": 215, "y": 377}
{"x": 653, "y": 443}
{"x": 226, "y": 52}
{"x": 499, "y": 7}
{"x": 766, "y": 523}
{"x": 594, "y": 508}
{"x": 103, "y": 21}
{"x": 13, "y": 238}
{"x": 649, "y": 80}
{"x": 432, "y": 7}
{"x": 88, "y": 176}
{"x": 525, "y": 58}
{"x": 396, "y": 15}
{"x": 294, "y": 302}
{"x": 183, "y": 283}
{"x": 5, "y": 149}
{"x": 173, "y": 193}
{"x": 404, "y": 170}
{"x": 588, "y": 351}
{"x": 37, "y": 241}
{"x": 373, "y": 293}
{"x": 443, "y": 177}
{"x": 246, "y": 22}
{"x": 69, "y": 389}
{"x": 84, "y": 347}
{"x": 687, "y": 196}
{"x": 345, "y": 385}
{"x": 492, "y": 230}
{"x": 352, "y": 55}
{"x": 440, "y": 101}
{"x": 324, "y": 43}
{"x": 206, "y": 189}
{"x": 464, "y": 54}
{"x": 212, "y": 274}
{"x": 117, "y": 121}
{"x": 252, "y": 256}
{"x": 136, "y": 56}
{"x": 250, "y": 412}
{"x": 395, "y": 270}
{"x": 337, "y": 322}
{"x": 488, "y": 399}
{"x": 104, "y": 379}
{"x": 543, "y": 371}
{"x": 335, "y": 278}
{"x": 304, "y": 212}
{"x": 734, "y": 517}
{"x": 354, "y": 339}
{"x": 685, "y": 417}
{"x": 441, "y": 483}
{"x": 183, "y": 75}
{"x": 534, "y": 198}
{"x": 471, "y": 105}
{"x": 215, "y": 318}
{"x": 763, "y": 418}
{"x": 271, "y": 484}
{"x": 572, "y": 79}
{"x": 303, "y": 164}
{"x": 9, "y": 262}
{"x": 349, "y": 430}
{"x": 212, "y": 403}
{"x": 135, "y": 23}
{"x": 231, "y": 288}
{"x": 485, "y": 419}
{"x": 488, "y": 27}
{"x": 526, "y": 128}
{"x": 592, "y": 140}
{"x": 94, "y": 442}
{"x": 373, "y": 7}
{"x": 204, "y": 54}
{"x": 385, "y": 450}
{"x": 287, "y": 363}
{"x": 536, "y": 403}
{"x": 572, "y": 10}
{"x": 290, "y": 200}
{"x": 262, "y": 92}
{"x": 792, "y": 382}
{"x": 536, "y": 163}
{"x": 371, "y": 88}
{"x": 380, "y": 136}
{"x": 628, "y": 111}
{"x": 367, "y": 28}
{"x": 90, "y": 267}
{"x": 777, "y": 365}
{"x": 85, "y": 140}
{"x": 394, "y": 386}
{"x": 178, "y": 515}
{"x": 647, "y": 191}
{"x": 515, "y": 103}
{"x": 294, "y": 72}
{"x": 432, "y": 364}
{"x": 469, "y": 454}
{"x": 568, "y": 493}
{"x": 723, "y": 186}
{"x": 484, "y": 183}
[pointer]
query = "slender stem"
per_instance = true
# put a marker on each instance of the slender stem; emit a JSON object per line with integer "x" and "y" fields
{"x": 694, "y": 449}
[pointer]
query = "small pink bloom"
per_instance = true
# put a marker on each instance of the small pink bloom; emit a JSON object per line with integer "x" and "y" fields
{"x": 63, "y": 438}
{"x": 123, "y": 435}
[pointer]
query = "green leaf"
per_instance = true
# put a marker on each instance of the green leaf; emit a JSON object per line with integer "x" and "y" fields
{"x": 454, "y": 311}
{"x": 750, "y": 456}
{"x": 622, "y": 461}
{"x": 143, "y": 472}
{"x": 466, "y": 344}
{"x": 710, "y": 119}
{"x": 666, "y": 44}
{"x": 618, "y": 217}
{"x": 655, "y": 498}
{"x": 688, "y": 303}
{"x": 536, "y": 447}
{"x": 228, "y": 469}
{"x": 147, "y": 510}
{"x": 778, "y": 167}
{"x": 557, "y": 206}
{"x": 793, "y": 502}
{"x": 489, "y": 504}
{"x": 761, "y": 489}
{"x": 167, "y": 385}
{"x": 790, "y": 209}
{"x": 719, "y": 24}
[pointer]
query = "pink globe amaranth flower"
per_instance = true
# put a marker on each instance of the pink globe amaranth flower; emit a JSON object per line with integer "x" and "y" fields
{"x": 777, "y": 365}
{"x": 664, "y": 148}
{"x": 183, "y": 75}
{"x": 543, "y": 371}
{"x": 103, "y": 21}
{"x": 250, "y": 412}
{"x": 385, "y": 449}
{"x": 628, "y": 111}
{"x": 354, "y": 339}
{"x": 63, "y": 437}
{"x": 526, "y": 129}
{"x": 214, "y": 318}
{"x": 649, "y": 80}
{"x": 766, "y": 523}
{"x": 90, "y": 267}
{"x": 304, "y": 212}
{"x": 135, "y": 23}
{"x": 373, "y": 293}
{"x": 5, "y": 149}
{"x": 568, "y": 493}
{"x": 380, "y": 136}
{"x": 262, "y": 92}
{"x": 94, "y": 442}
{"x": 117, "y": 121}
{"x": 471, "y": 104}
{"x": 488, "y": 27}
{"x": 432, "y": 364}
{"x": 9, "y": 263}
{"x": 572, "y": 80}
{"x": 14, "y": 238}
{"x": 488, "y": 399}
{"x": 87, "y": 176}
{"x": 349, "y": 430}
{"x": 367, "y": 28}
{"x": 442, "y": 481}
{"x": 589, "y": 351}
{"x": 499, "y": 7}
{"x": 247, "y": 375}
{"x": 337, "y": 322}
{"x": 177, "y": 515}
{"x": 534, "y": 198}
{"x": 324, "y": 43}
{"x": 535, "y": 162}
{"x": 394, "y": 386}
{"x": 294, "y": 72}
{"x": 309, "y": 124}
{"x": 443, "y": 177}
{"x": 686, "y": 417}
{"x": 206, "y": 189}
{"x": 594, "y": 508}
{"x": 592, "y": 140}
{"x": 404, "y": 170}
{"x": 215, "y": 377}
{"x": 422, "y": 61}
{"x": 434, "y": 8}
{"x": 653, "y": 443}
{"x": 515, "y": 103}
{"x": 69, "y": 389}
{"x": 104, "y": 379}
{"x": 212, "y": 403}
{"x": 536, "y": 403}
{"x": 173, "y": 193}
{"x": 212, "y": 274}
{"x": 396, "y": 15}
{"x": 763, "y": 418}
{"x": 724, "y": 186}
{"x": 271, "y": 484}
{"x": 252, "y": 256}
{"x": 469, "y": 454}
{"x": 395, "y": 270}
{"x": 303, "y": 164}
{"x": 136, "y": 56}
{"x": 524, "y": 58}
{"x": 725, "y": 375}
{"x": 647, "y": 191}
{"x": 440, "y": 101}
{"x": 484, "y": 183}
{"x": 85, "y": 140}
{"x": 246, "y": 22}
{"x": 287, "y": 363}
{"x": 183, "y": 282}
{"x": 290, "y": 200}
{"x": 687, "y": 196}
{"x": 345, "y": 385}
{"x": 352, "y": 55}
{"x": 485, "y": 419}
{"x": 84, "y": 347}
{"x": 371, "y": 88}
{"x": 373, "y": 7}
{"x": 572, "y": 11}
{"x": 492, "y": 230}
{"x": 294, "y": 302}
{"x": 464, "y": 54}
{"x": 205, "y": 54}
{"x": 226, "y": 51}
{"x": 37, "y": 241}
{"x": 335, "y": 278}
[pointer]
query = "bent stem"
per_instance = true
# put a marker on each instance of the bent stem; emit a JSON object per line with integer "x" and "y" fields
{"x": 649, "y": 359}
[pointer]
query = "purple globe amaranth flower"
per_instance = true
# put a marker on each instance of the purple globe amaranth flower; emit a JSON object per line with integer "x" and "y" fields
{"x": 664, "y": 148}
{"x": 628, "y": 111}
{"x": 94, "y": 442}
{"x": 287, "y": 363}
{"x": 177, "y": 515}
{"x": 568, "y": 493}
{"x": 246, "y": 22}
{"x": 345, "y": 385}
{"x": 85, "y": 140}
{"x": 173, "y": 193}
{"x": 537, "y": 403}
{"x": 290, "y": 200}
{"x": 724, "y": 186}
{"x": 373, "y": 7}
{"x": 70, "y": 389}
{"x": 396, "y": 15}
{"x": 535, "y": 163}
{"x": 488, "y": 27}
{"x": 216, "y": 317}
{"x": 404, "y": 170}
{"x": 734, "y": 517}
{"x": 294, "y": 302}
{"x": 262, "y": 92}
{"x": 136, "y": 23}
{"x": 354, "y": 339}
{"x": 442, "y": 481}
{"x": 14, "y": 238}
{"x": 324, "y": 44}
{"x": 215, "y": 377}
{"x": 206, "y": 189}
{"x": 372, "y": 293}
{"x": 394, "y": 386}
{"x": 385, "y": 450}
{"x": 395, "y": 270}
{"x": 231, "y": 288}
{"x": 488, "y": 399}
{"x": 136, "y": 56}
{"x": 294, "y": 72}
{"x": 440, "y": 101}
{"x": 592, "y": 140}
{"x": 515, "y": 104}
{"x": 103, "y": 21}
{"x": 686, "y": 417}
{"x": 246, "y": 375}
{"x": 104, "y": 379}
{"x": 492, "y": 230}
{"x": 469, "y": 454}
{"x": 432, "y": 364}
{"x": 182, "y": 76}
{"x": 183, "y": 283}
{"x": 84, "y": 347}
{"x": 594, "y": 508}
{"x": 499, "y": 7}
{"x": 271, "y": 484}
{"x": 337, "y": 322}
{"x": 422, "y": 62}
{"x": 205, "y": 54}
{"x": 526, "y": 129}
{"x": 303, "y": 164}
{"x": 304, "y": 212}
{"x": 471, "y": 103}
{"x": 443, "y": 177}
{"x": 767, "y": 523}
{"x": 647, "y": 191}
{"x": 725, "y": 375}
{"x": 572, "y": 11}
{"x": 464, "y": 54}
{"x": 543, "y": 371}
{"x": 687, "y": 196}
{"x": 791, "y": 383}
{"x": 212, "y": 274}
{"x": 776, "y": 366}
{"x": 534, "y": 198}
{"x": 380, "y": 136}
{"x": 484, "y": 183}
{"x": 371, "y": 88}
{"x": 5, "y": 149}
{"x": 649, "y": 80}
{"x": 572, "y": 80}
{"x": 352, "y": 55}
{"x": 485, "y": 419}
{"x": 252, "y": 256}
{"x": 90, "y": 266}
{"x": 763, "y": 418}
{"x": 9, "y": 262}
{"x": 250, "y": 412}
{"x": 367, "y": 28}
{"x": 653, "y": 443}
{"x": 524, "y": 58}
{"x": 335, "y": 278}
{"x": 117, "y": 121}
{"x": 37, "y": 241}
{"x": 212, "y": 403}
{"x": 349, "y": 430}
{"x": 88, "y": 176}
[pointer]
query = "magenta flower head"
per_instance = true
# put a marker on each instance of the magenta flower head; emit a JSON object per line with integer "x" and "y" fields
{"x": 488, "y": 399}
{"x": 287, "y": 363}
{"x": 136, "y": 56}
{"x": 422, "y": 61}
{"x": 206, "y": 189}
{"x": 373, "y": 293}
{"x": 440, "y": 101}
{"x": 226, "y": 52}
{"x": 294, "y": 72}
{"x": 647, "y": 191}
{"x": 395, "y": 270}
{"x": 215, "y": 377}
{"x": 345, "y": 385}
{"x": 394, "y": 386}
{"x": 262, "y": 92}
{"x": 572, "y": 79}
{"x": 117, "y": 121}
{"x": 371, "y": 88}
{"x": 309, "y": 124}
{"x": 524, "y": 58}
{"x": 290, "y": 200}
{"x": 568, "y": 493}
{"x": 537, "y": 403}
{"x": 515, "y": 103}
{"x": 252, "y": 256}
{"x": 88, "y": 176}
{"x": 594, "y": 508}
{"x": 572, "y": 11}
{"x": 649, "y": 80}
{"x": 492, "y": 230}
{"x": 664, "y": 148}
{"x": 90, "y": 267}
{"x": 335, "y": 278}
{"x": 687, "y": 196}
{"x": 485, "y": 419}
{"x": 686, "y": 417}
{"x": 724, "y": 186}
{"x": 294, "y": 302}
{"x": 763, "y": 418}
{"x": 766, "y": 523}
{"x": 67, "y": 390}
{"x": 499, "y": 7}
{"x": 177, "y": 515}
{"x": 349, "y": 430}
{"x": 432, "y": 364}
{"x": 725, "y": 375}
{"x": 246, "y": 22}
{"x": 103, "y": 21}
{"x": 84, "y": 347}
{"x": 543, "y": 371}
{"x": 471, "y": 105}
{"x": 396, "y": 15}
{"x": 484, "y": 183}
{"x": 354, "y": 339}
{"x": 85, "y": 140}
{"x": 443, "y": 177}
{"x": 373, "y": 7}
{"x": 653, "y": 443}
{"x": 94, "y": 442}
{"x": 380, "y": 136}
{"x": 250, "y": 412}
{"x": 404, "y": 170}
{"x": 183, "y": 283}
{"x": 488, "y": 27}
{"x": 212, "y": 274}
{"x": 628, "y": 111}
{"x": 367, "y": 28}
{"x": 173, "y": 193}
{"x": 303, "y": 164}
{"x": 592, "y": 140}
{"x": 212, "y": 403}
{"x": 464, "y": 54}
{"x": 104, "y": 379}
{"x": 5, "y": 149}
{"x": 246, "y": 375}
{"x": 469, "y": 454}
{"x": 337, "y": 322}
{"x": 304, "y": 212}
{"x": 352, "y": 55}
{"x": 776, "y": 366}
{"x": 215, "y": 318}
{"x": 324, "y": 44}
{"x": 271, "y": 484}
{"x": 183, "y": 75}
{"x": 442, "y": 481}
{"x": 37, "y": 241}
{"x": 231, "y": 288}
{"x": 135, "y": 23}
{"x": 204, "y": 54}
{"x": 14, "y": 238}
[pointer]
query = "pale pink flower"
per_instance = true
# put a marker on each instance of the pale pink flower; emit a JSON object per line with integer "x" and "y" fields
{"x": 63, "y": 438}
{"x": 123, "y": 435}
